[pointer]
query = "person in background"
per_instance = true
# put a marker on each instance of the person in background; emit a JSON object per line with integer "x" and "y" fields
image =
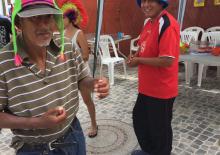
{"x": 39, "y": 83}
{"x": 5, "y": 31}
{"x": 157, "y": 61}
{"x": 75, "y": 17}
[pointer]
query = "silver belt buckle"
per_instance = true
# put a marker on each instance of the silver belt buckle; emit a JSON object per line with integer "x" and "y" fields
{"x": 49, "y": 145}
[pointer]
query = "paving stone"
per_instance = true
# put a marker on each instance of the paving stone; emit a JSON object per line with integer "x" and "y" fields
{"x": 182, "y": 146}
{"x": 198, "y": 130}
{"x": 210, "y": 129}
{"x": 207, "y": 133}
{"x": 211, "y": 152}
{"x": 204, "y": 147}
{"x": 189, "y": 128}
{"x": 184, "y": 130}
{"x": 200, "y": 152}
{"x": 217, "y": 137}
{"x": 185, "y": 153}
{"x": 193, "y": 134}
{"x": 190, "y": 150}
{"x": 191, "y": 138}
{"x": 202, "y": 137}
{"x": 213, "y": 140}
{"x": 177, "y": 150}
{"x": 196, "y": 146}
{"x": 214, "y": 148}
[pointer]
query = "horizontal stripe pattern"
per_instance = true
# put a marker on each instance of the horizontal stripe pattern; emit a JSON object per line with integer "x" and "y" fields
{"x": 28, "y": 93}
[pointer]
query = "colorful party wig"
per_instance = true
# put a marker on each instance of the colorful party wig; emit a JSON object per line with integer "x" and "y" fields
{"x": 75, "y": 11}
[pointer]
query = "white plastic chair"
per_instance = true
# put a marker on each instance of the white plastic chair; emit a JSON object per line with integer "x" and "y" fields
{"x": 214, "y": 37}
{"x": 187, "y": 37}
{"x": 105, "y": 43}
{"x": 196, "y": 29}
{"x": 213, "y": 29}
{"x": 133, "y": 46}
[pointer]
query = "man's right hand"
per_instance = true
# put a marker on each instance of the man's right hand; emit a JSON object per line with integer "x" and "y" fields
{"x": 51, "y": 118}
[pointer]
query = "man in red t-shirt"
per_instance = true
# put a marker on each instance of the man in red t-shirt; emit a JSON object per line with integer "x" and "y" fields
{"x": 157, "y": 61}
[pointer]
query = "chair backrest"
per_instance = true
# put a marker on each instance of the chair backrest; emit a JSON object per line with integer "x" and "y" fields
{"x": 213, "y": 29}
{"x": 196, "y": 29}
{"x": 188, "y": 36}
{"x": 105, "y": 42}
{"x": 213, "y": 37}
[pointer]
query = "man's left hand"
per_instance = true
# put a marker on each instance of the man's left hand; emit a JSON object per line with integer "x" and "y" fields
{"x": 101, "y": 87}
{"x": 133, "y": 61}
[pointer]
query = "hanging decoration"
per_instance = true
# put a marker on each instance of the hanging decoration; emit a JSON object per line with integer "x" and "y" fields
{"x": 216, "y": 2}
{"x": 199, "y": 3}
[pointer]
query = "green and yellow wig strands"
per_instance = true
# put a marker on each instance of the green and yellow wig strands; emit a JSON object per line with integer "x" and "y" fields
{"x": 17, "y": 8}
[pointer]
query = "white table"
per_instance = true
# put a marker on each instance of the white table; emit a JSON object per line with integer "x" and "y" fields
{"x": 202, "y": 60}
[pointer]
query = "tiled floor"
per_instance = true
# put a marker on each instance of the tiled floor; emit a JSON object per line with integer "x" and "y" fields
{"x": 196, "y": 120}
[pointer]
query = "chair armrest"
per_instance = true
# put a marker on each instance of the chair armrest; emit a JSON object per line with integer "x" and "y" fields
{"x": 132, "y": 43}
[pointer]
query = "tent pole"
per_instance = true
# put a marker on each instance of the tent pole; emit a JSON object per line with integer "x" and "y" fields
{"x": 98, "y": 31}
{"x": 181, "y": 12}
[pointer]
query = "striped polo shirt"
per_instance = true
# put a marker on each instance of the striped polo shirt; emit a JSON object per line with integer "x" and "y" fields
{"x": 26, "y": 91}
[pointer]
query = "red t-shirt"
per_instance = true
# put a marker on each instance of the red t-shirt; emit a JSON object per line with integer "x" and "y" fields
{"x": 159, "y": 38}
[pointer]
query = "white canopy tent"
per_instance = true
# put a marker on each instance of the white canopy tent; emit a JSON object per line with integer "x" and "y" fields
{"x": 98, "y": 31}
{"x": 5, "y": 6}
{"x": 181, "y": 12}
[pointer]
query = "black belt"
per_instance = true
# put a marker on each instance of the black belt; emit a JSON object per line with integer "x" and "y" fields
{"x": 55, "y": 144}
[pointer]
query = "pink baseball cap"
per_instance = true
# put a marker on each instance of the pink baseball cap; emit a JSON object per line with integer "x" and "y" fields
{"x": 32, "y": 8}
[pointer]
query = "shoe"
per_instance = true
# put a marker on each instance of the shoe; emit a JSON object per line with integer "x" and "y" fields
{"x": 93, "y": 135}
{"x": 139, "y": 152}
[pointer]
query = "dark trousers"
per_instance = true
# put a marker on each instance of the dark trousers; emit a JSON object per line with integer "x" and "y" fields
{"x": 152, "y": 124}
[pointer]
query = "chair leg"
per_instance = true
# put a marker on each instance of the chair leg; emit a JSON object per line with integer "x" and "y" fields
{"x": 194, "y": 71}
{"x": 111, "y": 73}
{"x": 218, "y": 71}
{"x": 124, "y": 66}
{"x": 100, "y": 71}
{"x": 191, "y": 69}
{"x": 188, "y": 66}
{"x": 205, "y": 71}
{"x": 201, "y": 66}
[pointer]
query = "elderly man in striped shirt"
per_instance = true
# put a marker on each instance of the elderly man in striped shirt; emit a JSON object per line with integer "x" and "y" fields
{"x": 39, "y": 82}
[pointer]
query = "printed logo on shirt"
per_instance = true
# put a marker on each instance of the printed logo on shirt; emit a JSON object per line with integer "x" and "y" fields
{"x": 143, "y": 46}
